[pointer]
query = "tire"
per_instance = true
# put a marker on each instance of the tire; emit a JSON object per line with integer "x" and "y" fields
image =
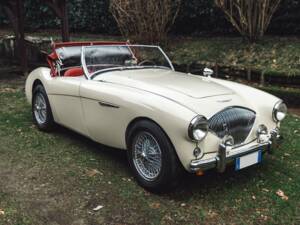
{"x": 170, "y": 169}
{"x": 41, "y": 110}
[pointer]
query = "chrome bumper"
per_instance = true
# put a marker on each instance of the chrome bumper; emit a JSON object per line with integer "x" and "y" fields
{"x": 227, "y": 154}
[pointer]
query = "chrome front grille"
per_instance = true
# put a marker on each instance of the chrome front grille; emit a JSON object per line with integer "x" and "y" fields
{"x": 234, "y": 121}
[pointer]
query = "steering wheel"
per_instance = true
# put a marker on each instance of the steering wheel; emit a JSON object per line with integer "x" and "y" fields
{"x": 147, "y": 63}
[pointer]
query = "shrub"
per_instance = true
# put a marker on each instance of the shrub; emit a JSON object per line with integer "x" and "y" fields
{"x": 148, "y": 21}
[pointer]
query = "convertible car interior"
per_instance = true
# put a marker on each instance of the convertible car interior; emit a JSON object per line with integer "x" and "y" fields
{"x": 68, "y": 58}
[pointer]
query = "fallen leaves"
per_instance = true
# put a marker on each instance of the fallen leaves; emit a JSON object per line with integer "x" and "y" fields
{"x": 93, "y": 172}
{"x": 265, "y": 190}
{"x": 155, "y": 205}
{"x": 98, "y": 208}
{"x": 281, "y": 194}
{"x": 8, "y": 90}
{"x": 126, "y": 179}
{"x": 212, "y": 214}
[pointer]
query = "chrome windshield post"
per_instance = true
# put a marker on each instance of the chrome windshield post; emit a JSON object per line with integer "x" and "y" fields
{"x": 167, "y": 58}
{"x": 83, "y": 63}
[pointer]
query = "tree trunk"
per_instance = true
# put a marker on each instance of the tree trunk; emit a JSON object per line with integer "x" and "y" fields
{"x": 60, "y": 9}
{"x": 20, "y": 37}
{"x": 64, "y": 21}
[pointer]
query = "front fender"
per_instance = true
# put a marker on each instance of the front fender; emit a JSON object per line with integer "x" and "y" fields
{"x": 129, "y": 104}
{"x": 42, "y": 75}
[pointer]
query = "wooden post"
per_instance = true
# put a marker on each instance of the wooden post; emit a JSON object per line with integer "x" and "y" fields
{"x": 262, "y": 78}
{"x": 248, "y": 73}
{"x": 60, "y": 9}
{"x": 15, "y": 12}
{"x": 21, "y": 44}
{"x": 216, "y": 70}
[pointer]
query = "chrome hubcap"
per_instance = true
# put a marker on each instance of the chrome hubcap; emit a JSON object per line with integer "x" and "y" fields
{"x": 147, "y": 156}
{"x": 40, "y": 108}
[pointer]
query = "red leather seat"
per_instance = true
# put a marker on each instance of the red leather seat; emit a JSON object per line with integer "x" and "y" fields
{"x": 74, "y": 72}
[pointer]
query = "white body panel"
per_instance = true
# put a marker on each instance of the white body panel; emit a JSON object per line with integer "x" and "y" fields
{"x": 168, "y": 98}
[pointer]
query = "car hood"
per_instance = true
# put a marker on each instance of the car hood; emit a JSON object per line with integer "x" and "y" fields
{"x": 188, "y": 90}
{"x": 166, "y": 82}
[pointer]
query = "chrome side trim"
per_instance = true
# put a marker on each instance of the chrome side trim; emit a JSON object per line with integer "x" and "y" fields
{"x": 102, "y": 103}
{"x": 107, "y": 104}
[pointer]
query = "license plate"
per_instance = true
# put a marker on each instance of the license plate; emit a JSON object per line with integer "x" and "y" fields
{"x": 248, "y": 160}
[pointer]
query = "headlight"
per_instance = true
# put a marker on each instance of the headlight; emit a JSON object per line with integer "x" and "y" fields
{"x": 198, "y": 128}
{"x": 279, "y": 111}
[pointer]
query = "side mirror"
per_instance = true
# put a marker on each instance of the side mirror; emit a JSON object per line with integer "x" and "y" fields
{"x": 208, "y": 72}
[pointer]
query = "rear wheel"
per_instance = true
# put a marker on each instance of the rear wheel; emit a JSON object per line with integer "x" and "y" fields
{"x": 152, "y": 157}
{"x": 41, "y": 110}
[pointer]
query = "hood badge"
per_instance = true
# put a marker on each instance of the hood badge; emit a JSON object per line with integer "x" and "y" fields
{"x": 224, "y": 100}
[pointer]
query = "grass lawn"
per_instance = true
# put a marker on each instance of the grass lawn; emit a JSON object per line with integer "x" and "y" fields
{"x": 58, "y": 178}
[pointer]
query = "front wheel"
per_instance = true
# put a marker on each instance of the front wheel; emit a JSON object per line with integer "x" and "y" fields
{"x": 41, "y": 110}
{"x": 152, "y": 158}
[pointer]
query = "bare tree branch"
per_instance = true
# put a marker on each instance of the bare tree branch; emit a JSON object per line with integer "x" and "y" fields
{"x": 146, "y": 21}
{"x": 250, "y": 17}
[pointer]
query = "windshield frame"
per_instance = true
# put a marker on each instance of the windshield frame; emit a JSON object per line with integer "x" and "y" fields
{"x": 91, "y": 76}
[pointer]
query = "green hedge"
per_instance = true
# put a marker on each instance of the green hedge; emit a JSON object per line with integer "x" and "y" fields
{"x": 196, "y": 17}
{"x": 84, "y": 15}
{"x": 289, "y": 95}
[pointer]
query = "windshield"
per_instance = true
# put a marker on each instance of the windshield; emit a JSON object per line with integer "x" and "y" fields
{"x": 98, "y": 60}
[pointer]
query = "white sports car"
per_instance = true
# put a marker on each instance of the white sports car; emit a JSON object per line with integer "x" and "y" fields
{"x": 130, "y": 97}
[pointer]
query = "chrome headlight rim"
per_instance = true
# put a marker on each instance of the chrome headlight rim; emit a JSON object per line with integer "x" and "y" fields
{"x": 200, "y": 124}
{"x": 280, "y": 107}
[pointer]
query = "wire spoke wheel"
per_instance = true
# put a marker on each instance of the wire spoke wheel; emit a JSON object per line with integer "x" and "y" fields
{"x": 40, "y": 108}
{"x": 147, "y": 156}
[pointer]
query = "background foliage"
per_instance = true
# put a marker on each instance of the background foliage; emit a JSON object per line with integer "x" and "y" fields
{"x": 196, "y": 17}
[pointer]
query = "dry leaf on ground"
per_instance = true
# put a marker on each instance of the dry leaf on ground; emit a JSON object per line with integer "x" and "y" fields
{"x": 92, "y": 173}
{"x": 98, "y": 208}
{"x": 265, "y": 190}
{"x": 155, "y": 205}
{"x": 281, "y": 194}
{"x": 8, "y": 90}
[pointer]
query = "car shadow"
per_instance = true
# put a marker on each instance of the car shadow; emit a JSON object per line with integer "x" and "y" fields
{"x": 190, "y": 184}
{"x": 212, "y": 181}
{"x": 117, "y": 156}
